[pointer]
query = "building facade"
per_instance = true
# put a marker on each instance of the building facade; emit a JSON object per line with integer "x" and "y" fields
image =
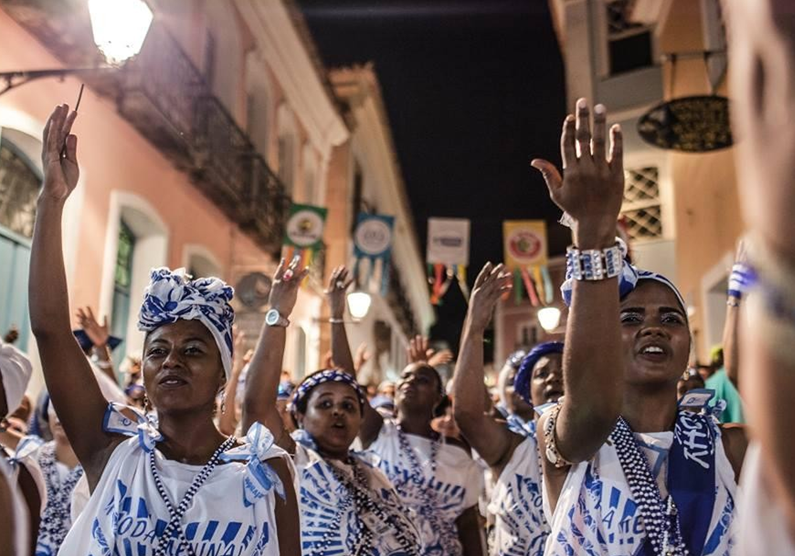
{"x": 681, "y": 210}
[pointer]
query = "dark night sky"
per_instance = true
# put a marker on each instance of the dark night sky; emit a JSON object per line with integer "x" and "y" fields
{"x": 474, "y": 91}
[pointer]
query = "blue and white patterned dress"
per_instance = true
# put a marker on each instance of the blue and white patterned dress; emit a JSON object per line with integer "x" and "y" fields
{"x": 454, "y": 487}
{"x": 232, "y": 513}
{"x": 55, "y": 518}
{"x": 328, "y": 511}
{"x": 597, "y": 516}
{"x": 520, "y": 527}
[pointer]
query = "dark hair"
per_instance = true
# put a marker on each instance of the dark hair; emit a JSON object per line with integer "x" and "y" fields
{"x": 441, "y": 409}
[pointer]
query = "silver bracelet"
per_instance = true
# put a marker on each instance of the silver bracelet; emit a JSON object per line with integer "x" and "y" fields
{"x": 594, "y": 264}
{"x": 336, "y": 321}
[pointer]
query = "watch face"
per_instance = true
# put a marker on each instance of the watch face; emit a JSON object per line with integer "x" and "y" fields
{"x": 272, "y": 317}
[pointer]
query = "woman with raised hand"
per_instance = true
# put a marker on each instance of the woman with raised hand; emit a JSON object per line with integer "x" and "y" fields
{"x": 626, "y": 471}
{"x": 511, "y": 451}
{"x": 156, "y": 485}
{"x": 435, "y": 477}
{"x": 347, "y": 505}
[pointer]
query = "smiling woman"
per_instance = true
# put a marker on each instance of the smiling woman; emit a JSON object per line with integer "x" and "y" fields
{"x": 153, "y": 480}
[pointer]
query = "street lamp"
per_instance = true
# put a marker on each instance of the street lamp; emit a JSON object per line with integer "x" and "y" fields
{"x": 119, "y": 28}
{"x": 359, "y": 304}
{"x": 549, "y": 318}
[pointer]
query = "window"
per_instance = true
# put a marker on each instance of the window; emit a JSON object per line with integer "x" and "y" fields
{"x": 19, "y": 189}
{"x": 630, "y": 44}
{"x": 642, "y": 208}
{"x": 122, "y": 282}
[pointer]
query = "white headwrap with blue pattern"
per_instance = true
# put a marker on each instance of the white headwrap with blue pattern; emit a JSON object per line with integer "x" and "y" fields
{"x": 173, "y": 296}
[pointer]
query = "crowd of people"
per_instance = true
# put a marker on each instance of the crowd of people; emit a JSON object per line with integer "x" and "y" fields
{"x": 610, "y": 442}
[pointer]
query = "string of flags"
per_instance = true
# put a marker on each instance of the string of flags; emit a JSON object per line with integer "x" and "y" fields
{"x": 525, "y": 250}
{"x": 447, "y": 255}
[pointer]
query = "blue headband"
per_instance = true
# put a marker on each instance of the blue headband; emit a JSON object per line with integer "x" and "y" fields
{"x": 301, "y": 393}
{"x": 521, "y": 383}
{"x": 173, "y": 296}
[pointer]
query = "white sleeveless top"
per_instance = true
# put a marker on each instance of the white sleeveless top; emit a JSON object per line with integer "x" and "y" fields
{"x": 520, "y": 527}
{"x": 232, "y": 513}
{"x": 762, "y": 527}
{"x": 453, "y": 488}
{"x": 328, "y": 512}
{"x": 19, "y": 510}
{"x": 597, "y": 515}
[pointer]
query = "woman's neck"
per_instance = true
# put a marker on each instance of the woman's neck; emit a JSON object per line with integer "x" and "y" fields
{"x": 415, "y": 423}
{"x": 188, "y": 438}
{"x": 650, "y": 410}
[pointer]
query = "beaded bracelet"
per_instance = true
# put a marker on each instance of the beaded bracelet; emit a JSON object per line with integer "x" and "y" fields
{"x": 552, "y": 453}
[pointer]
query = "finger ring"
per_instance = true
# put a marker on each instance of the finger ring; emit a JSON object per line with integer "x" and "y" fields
{"x": 287, "y": 276}
{"x": 340, "y": 284}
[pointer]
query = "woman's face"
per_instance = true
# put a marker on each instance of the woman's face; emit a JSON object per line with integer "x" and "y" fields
{"x": 509, "y": 397}
{"x": 182, "y": 367}
{"x": 418, "y": 388}
{"x": 547, "y": 382}
{"x": 332, "y": 417}
{"x": 655, "y": 335}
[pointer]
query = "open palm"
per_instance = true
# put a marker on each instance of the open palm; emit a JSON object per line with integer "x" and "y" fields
{"x": 59, "y": 154}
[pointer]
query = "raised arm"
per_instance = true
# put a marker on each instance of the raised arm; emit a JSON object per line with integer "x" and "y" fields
{"x": 491, "y": 438}
{"x": 740, "y": 282}
{"x": 70, "y": 381}
{"x": 338, "y": 285}
{"x": 227, "y": 423}
{"x": 591, "y": 192}
{"x": 265, "y": 368}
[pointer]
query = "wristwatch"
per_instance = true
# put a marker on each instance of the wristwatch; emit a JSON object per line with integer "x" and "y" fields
{"x": 274, "y": 318}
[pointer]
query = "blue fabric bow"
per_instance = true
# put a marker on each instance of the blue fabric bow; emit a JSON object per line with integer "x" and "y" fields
{"x": 260, "y": 477}
{"x": 143, "y": 426}
{"x": 26, "y": 448}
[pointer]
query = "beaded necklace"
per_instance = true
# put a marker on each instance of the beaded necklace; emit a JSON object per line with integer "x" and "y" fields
{"x": 428, "y": 508}
{"x": 364, "y": 505}
{"x": 175, "y": 524}
{"x": 660, "y": 517}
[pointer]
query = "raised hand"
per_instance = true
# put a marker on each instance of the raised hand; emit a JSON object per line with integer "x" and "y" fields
{"x": 98, "y": 334}
{"x": 362, "y": 356}
{"x": 338, "y": 285}
{"x": 418, "y": 350}
{"x": 490, "y": 285}
{"x": 591, "y": 189}
{"x": 61, "y": 171}
{"x": 442, "y": 357}
{"x": 286, "y": 282}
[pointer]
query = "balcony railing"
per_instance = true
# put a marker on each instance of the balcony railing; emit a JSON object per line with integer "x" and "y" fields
{"x": 164, "y": 96}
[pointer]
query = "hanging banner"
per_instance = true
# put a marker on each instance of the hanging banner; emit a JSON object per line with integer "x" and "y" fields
{"x": 303, "y": 234}
{"x": 525, "y": 248}
{"x": 372, "y": 241}
{"x": 694, "y": 124}
{"x": 448, "y": 255}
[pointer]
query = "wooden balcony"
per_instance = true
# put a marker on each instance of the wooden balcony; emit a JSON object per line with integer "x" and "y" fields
{"x": 164, "y": 97}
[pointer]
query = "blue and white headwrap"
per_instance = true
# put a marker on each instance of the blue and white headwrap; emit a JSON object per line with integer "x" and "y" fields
{"x": 627, "y": 281}
{"x": 301, "y": 393}
{"x": 521, "y": 383}
{"x": 173, "y": 296}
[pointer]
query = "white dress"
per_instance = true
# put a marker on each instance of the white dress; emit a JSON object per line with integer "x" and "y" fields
{"x": 439, "y": 498}
{"x": 329, "y": 515}
{"x": 762, "y": 527}
{"x": 232, "y": 513}
{"x": 597, "y": 515}
{"x": 19, "y": 510}
{"x": 520, "y": 527}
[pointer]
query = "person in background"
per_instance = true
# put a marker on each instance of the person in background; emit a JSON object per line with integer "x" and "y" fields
{"x": 347, "y": 505}
{"x": 510, "y": 451}
{"x": 22, "y": 491}
{"x": 691, "y": 380}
